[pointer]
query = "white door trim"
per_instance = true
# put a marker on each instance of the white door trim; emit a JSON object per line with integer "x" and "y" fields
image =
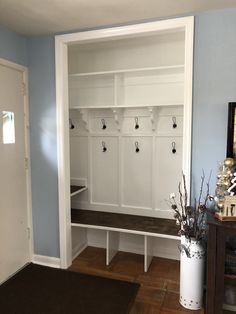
{"x": 24, "y": 70}
{"x": 61, "y": 44}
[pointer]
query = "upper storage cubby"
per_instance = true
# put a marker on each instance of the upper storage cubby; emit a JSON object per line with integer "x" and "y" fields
{"x": 129, "y": 72}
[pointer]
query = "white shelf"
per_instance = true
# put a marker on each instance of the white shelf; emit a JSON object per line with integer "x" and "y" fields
{"x": 170, "y": 69}
{"x": 128, "y": 106}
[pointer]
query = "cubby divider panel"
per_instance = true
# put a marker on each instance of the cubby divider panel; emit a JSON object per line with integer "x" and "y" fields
{"x": 112, "y": 245}
{"x": 148, "y": 252}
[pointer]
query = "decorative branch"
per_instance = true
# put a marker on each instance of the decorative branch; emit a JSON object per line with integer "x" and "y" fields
{"x": 191, "y": 219}
{"x": 201, "y": 187}
{"x": 185, "y": 192}
{"x": 181, "y": 199}
{"x": 208, "y": 189}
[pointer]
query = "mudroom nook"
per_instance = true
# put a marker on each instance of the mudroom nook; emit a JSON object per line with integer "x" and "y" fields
{"x": 127, "y": 135}
{"x": 117, "y": 136}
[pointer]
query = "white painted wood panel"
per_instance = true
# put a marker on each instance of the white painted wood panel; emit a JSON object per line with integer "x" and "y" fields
{"x": 142, "y": 51}
{"x": 148, "y": 252}
{"x": 151, "y": 90}
{"x": 134, "y": 243}
{"x": 104, "y": 170}
{"x": 79, "y": 240}
{"x": 139, "y": 117}
{"x": 166, "y": 127}
{"x": 168, "y": 170}
{"x": 91, "y": 91}
{"x": 79, "y": 156}
{"x": 112, "y": 245}
{"x": 103, "y": 121}
{"x": 137, "y": 172}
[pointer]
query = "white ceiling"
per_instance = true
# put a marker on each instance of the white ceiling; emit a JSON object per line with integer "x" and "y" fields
{"x": 35, "y": 17}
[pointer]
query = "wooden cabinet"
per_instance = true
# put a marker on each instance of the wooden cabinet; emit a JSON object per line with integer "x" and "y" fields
{"x": 218, "y": 235}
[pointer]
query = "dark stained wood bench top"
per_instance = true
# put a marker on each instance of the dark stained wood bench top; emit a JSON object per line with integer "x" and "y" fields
{"x": 124, "y": 221}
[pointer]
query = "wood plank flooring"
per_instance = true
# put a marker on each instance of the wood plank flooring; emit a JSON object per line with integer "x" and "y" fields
{"x": 159, "y": 290}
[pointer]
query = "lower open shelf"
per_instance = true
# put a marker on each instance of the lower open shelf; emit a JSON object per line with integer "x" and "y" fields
{"x": 113, "y": 225}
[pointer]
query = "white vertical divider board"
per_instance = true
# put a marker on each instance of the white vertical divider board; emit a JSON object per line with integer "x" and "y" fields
{"x": 188, "y": 83}
{"x": 79, "y": 240}
{"x": 148, "y": 252}
{"x": 153, "y": 173}
{"x": 89, "y": 157}
{"x": 120, "y": 187}
{"x": 116, "y": 90}
{"x": 112, "y": 245}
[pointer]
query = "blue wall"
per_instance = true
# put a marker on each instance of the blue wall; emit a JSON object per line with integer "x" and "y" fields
{"x": 13, "y": 47}
{"x": 214, "y": 87}
{"x": 43, "y": 144}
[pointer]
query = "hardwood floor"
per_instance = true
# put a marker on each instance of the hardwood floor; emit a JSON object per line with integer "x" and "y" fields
{"x": 159, "y": 287}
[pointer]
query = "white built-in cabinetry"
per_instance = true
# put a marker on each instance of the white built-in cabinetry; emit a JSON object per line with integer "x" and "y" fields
{"x": 126, "y": 96}
{"x": 129, "y": 95}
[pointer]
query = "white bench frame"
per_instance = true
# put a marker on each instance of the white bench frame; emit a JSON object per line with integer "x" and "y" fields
{"x": 112, "y": 241}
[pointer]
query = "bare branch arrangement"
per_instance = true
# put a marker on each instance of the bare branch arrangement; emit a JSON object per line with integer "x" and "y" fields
{"x": 191, "y": 219}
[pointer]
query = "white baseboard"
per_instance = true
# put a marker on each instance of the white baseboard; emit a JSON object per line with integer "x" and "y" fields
{"x": 46, "y": 261}
{"x": 78, "y": 249}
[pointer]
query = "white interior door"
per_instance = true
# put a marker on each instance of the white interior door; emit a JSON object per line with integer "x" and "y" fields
{"x": 14, "y": 239}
